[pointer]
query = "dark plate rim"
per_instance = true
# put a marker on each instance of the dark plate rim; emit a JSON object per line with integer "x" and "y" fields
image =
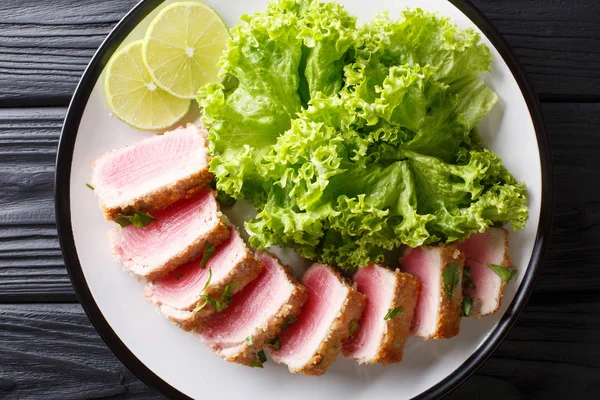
{"x": 67, "y": 243}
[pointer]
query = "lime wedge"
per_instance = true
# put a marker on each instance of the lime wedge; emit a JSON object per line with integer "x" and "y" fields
{"x": 182, "y": 47}
{"x": 134, "y": 98}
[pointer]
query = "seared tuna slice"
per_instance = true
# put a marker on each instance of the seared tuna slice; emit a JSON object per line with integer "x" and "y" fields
{"x": 481, "y": 249}
{"x": 385, "y": 323}
{"x": 328, "y": 318}
{"x": 152, "y": 174}
{"x": 178, "y": 236}
{"x": 255, "y": 315}
{"x": 439, "y": 308}
{"x": 177, "y": 294}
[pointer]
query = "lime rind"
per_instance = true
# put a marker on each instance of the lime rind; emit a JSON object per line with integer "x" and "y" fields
{"x": 134, "y": 98}
{"x": 182, "y": 47}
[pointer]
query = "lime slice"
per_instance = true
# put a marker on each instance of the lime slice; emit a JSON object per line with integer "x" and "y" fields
{"x": 134, "y": 98}
{"x": 182, "y": 47}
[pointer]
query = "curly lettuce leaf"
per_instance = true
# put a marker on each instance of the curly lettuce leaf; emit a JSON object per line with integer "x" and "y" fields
{"x": 353, "y": 140}
{"x": 421, "y": 38}
{"x": 262, "y": 57}
{"x": 292, "y": 45}
{"x": 328, "y": 31}
{"x": 467, "y": 198}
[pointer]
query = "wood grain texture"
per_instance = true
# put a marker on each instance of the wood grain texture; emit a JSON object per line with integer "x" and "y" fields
{"x": 30, "y": 257}
{"x": 31, "y": 267}
{"x": 558, "y": 43}
{"x": 52, "y": 352}
{"x": 45, "y": 46}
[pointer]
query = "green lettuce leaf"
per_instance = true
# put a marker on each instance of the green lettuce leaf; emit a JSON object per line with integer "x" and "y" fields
{"x": 328, "y": 31}
{"x": 422, "y": 38}
{"x": 351, "y": 140}
{"x": 262, "y": 58}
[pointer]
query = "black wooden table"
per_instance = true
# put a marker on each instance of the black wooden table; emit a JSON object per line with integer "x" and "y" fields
{"x": 48, "y": 348}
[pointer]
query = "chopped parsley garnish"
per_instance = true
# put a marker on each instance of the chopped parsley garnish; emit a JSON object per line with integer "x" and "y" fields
{"x": 467, "y": 280}
{"x": 504, "y": 273}
{"x": 228, "y": 292}
{"x": 207, "y": 299}
{"x": 90, "y": 186}
{"x": 261, "y": 356}
{"x": 179, "y": 276}
{"x": 219, "y": 305}
{"x": 467, "y": 305}
{"x": 209, "y": 251}
{"x": 250, "y": 340}
{"x": 139, "y": 219}
{"x": 353, "y": 327}
{"x": 208, "y": 280}
{"x": 393, "y": 312}
{"x": 260, "y": 359}
{"x": 451, "y": 275}
{"x": 336, "y": 346}
{"x": 290, "y": 319}
{"x": 275, "y": 344}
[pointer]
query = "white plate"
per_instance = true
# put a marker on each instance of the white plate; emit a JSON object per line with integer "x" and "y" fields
{"x": 176, "y": 362}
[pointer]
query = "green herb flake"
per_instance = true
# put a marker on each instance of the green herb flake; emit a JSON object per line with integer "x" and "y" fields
{"x": 290, "y": 319}
{"x": 336, "y": 346}
{"x": 353, "y": 327}
{"x": 250, "y": 340}
{"x": 451, "y": 275}
{"x": 260, "y": 359}
{"x": 199, "y": 307}
{"x": 261, "y": 356}
{"x": 123, "y": 220}
{"x": 467, "y": 280}
{"x": 393, "y": 312}
{"x": 90, "y": 186}
{"x": 227, "y": 295}
{"x": 207, "y": 299}
{"x": 209, "y": 251}
{"x": 275, "y": 344}
{"x": 208, "y": 280}
{"x": 467, "y": 305}
{"x": 218, "y": 305}
{"x": 504, "y": 273}
{"x": 139, "y": 219}
{"x": 179, "y": 276}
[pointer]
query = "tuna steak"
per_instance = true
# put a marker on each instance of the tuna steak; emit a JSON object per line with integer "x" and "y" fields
{"x": 178, "y": 236}
{"x": 152, "y": 174}
{"x": 481, "y": 249}
{"x": 385, "y": 323}
{"x": 255, "y": 315}
{"x": 327, "y": 319}
{"x": 439, "y": 308}
{"x": 177, "y": 294}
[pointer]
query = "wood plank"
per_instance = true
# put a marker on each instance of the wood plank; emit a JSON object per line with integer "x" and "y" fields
{"x": 31, "y": 267}
{"x": 45, "y": 46}
{"x": 51, "y": 351}
{"x": 30, "y": 256}
{"x": 556, "y": 41}
{"x": 575, "y": 141}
